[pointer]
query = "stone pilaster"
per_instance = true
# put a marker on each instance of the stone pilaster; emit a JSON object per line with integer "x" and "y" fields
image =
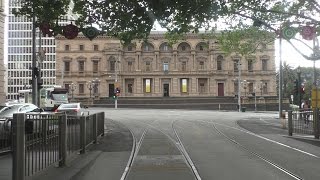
{"x": 175, "y": 87}
{"x": 139, "y": 86}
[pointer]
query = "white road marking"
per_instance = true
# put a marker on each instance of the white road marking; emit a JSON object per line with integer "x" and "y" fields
{"x": 270, "y": 140}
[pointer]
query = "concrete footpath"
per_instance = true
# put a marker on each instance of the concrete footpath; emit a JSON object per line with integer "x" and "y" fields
{"x": 105, "y": 160}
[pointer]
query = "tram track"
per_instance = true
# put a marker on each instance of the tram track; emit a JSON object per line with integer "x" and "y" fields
{"x": 178, "y": 143}
{"x": 257, "y": 155}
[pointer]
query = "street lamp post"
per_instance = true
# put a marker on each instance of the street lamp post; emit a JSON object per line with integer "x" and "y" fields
{"x": 239, "y": 86}
{"x": 96, "y": 83}
{"x": 245, "y": 87}
{"x": 255, "y": 99}
{"x": 261, "y": 87}
{"x": 90, "y": 87}
{"x": 73, "y": 88}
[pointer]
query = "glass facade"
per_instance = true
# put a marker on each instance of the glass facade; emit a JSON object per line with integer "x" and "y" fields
{"x": 20, "y": 53}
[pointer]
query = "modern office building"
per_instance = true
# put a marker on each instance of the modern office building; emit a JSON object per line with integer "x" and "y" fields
{"x": 2, "y": 67}
{"x": 190, "y": 68}
{"x": 20, "y": 53}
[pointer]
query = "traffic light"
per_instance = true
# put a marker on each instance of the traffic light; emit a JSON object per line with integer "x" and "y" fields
{"x": 114, "y": 96}
{"x": 118, "y": 90}
{"x": 296, "y": 87}
{"x": 36, "y": 71}
{"x": 302, "y": 90}
{"x": 40, "y": 84}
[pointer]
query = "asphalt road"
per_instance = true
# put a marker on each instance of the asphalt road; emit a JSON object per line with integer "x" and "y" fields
{"x": 193, "y": 145}
{"x": 219, "y": 145}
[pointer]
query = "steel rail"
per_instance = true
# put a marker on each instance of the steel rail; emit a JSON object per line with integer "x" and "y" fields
{"x": 134, "y": 151}
{"x": 266, "y": 160}
{"x": 185, "y": 153}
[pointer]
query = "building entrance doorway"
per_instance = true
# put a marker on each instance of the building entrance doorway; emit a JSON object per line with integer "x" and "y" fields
{"x": 111, "y": 90}
{"x": 220, "y": 89}
{"x": 166, "y": 90}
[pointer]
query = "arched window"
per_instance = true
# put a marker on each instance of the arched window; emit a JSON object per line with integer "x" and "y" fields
{"x": 202, "y": 46}
{"x": 147, "y": 47}
{"x": 165, "y": 47}
{"x": 219, "y": 62}
{"x": 184, "y": 47}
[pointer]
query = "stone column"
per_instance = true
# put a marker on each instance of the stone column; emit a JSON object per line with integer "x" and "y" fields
{"x": 175, "y": 54}
{"x": 137, "y": 61}
{"x": 156, "y": 55}
{"x": 193, "y": 54}
{"x": 194, "y": 84}
{"x": 157, "y": 86}
{"x": 175, "y": 86}
{"x": 139, "y": 86}
{"x": 212, "y": 61}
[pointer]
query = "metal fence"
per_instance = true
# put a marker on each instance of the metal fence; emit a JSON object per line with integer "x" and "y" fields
{"x": 5, "y": 136}
{"x": 304, "y": 122}
{"x": 41, "y": 140}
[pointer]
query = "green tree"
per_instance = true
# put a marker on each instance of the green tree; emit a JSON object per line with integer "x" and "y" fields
{"x": 128, "y": 19}
{"x": 289, "y": 76}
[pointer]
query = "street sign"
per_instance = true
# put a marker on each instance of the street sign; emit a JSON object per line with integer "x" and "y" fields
{"x": 315, "y": 98}
{"x": 117, "y": 85}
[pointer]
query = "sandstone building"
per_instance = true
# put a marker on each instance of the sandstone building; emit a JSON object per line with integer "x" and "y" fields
{"x": 192, "y": 67}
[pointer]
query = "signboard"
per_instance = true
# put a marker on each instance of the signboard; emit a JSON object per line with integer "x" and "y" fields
{"x": 315, "y": 98}
{"x": 184, "y": 85}
{"x": 148, "y": 86}
{"x": 117, "y": 84}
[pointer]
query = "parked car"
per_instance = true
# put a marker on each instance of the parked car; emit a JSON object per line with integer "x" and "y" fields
{"x": 6, "y": 116}
{"x": 75, "y": 109}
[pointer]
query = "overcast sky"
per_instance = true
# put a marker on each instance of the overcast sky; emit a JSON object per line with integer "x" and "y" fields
{"x": 292, "y": 57}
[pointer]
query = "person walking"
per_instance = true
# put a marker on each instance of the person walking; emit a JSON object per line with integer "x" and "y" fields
{"x": 306, "y": 112}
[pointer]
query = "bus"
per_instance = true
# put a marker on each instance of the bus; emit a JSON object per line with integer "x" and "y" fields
{"x": 50, "y": 98}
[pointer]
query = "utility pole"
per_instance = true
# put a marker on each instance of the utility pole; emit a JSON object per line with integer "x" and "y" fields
{"x": 315, "y": 51}
{"x": 34, "y": 63}
{"x": 239, "y": 86}
{"x": 280, "y": 75}
{"x": 255, "y": 99}
{"x": 299, "y": 87}
{"x": 41, "y": 56}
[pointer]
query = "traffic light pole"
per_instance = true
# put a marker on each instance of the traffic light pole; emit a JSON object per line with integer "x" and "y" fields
{"x": 116, "y": 82}
{"x": 239, "y": 86}
{"x": 299, "y": 87}
{"x": 280, "y": 76}
{"x": 39, "y": 70}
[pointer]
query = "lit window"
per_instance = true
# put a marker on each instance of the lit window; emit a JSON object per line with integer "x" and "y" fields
{"x": 165, "y": 66}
